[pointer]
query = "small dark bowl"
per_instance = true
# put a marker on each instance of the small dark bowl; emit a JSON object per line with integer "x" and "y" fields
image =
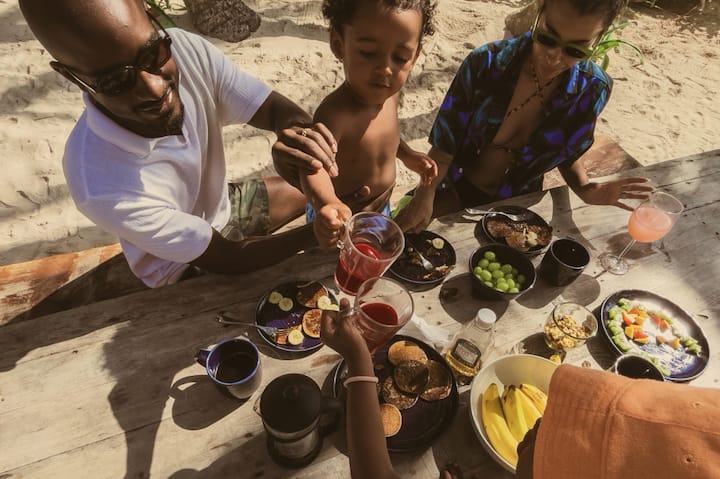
{"x": 504, "y": 254}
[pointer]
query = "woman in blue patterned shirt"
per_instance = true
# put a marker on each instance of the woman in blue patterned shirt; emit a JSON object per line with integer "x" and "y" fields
{"x": 518, "y": 108}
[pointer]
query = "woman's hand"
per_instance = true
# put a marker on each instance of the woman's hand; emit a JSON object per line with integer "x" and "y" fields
{"x": 338, "y": 331}
{"x": 612, "y": 192}
{"x": 417, "y": 214}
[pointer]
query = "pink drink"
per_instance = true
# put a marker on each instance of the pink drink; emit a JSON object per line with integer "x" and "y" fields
{"x": 647, "y": 224}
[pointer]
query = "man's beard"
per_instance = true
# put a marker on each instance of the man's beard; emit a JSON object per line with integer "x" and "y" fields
{"x": 173, "y": 126}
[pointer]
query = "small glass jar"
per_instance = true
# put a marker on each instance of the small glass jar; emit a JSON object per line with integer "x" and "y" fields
{"x": 568, "y": 326}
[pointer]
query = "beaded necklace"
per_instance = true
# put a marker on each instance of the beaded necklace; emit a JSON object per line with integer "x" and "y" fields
{"x": 537, "y": 93}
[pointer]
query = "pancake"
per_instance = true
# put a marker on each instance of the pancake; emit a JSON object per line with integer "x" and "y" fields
{"x": 309, "y": 293}
{"x": 400, "y": 351}
{"x": 391, "y": 419}
{"x": 311, "y": 322}
{"x": 411, "y": 377}
{"x": 439, "y": 382}
{"x": 392, "y": 395}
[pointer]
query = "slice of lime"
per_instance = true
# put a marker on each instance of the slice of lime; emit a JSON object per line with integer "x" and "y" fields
{"x": 285, "y": 304}
{"x": 295, "y": 337}
{"x": 274, "y": 297}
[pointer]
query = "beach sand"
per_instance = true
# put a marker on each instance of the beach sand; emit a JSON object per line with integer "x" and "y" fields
{"x": 667, "y": 107}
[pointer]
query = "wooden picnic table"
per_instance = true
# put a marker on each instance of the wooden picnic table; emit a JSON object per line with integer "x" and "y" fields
{"x": 111, "y": 389}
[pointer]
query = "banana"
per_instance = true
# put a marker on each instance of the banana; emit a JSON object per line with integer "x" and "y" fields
{"x": 496, "y": 428}
{"x": 513, "y": 413}
{"x": 530, "y": 412}
{"x": 538, "y": 398}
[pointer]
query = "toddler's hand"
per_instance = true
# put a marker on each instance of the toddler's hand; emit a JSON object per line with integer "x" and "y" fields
{"x": 328, "y": 223}
{"x": 421, "y": 164}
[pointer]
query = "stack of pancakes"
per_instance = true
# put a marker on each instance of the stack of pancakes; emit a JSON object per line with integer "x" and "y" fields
{"x": 413, "y": 377}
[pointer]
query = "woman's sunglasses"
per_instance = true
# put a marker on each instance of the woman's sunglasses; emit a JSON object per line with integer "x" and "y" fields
{"x": 121, "y": 79}
{"x": 549, "y": 40}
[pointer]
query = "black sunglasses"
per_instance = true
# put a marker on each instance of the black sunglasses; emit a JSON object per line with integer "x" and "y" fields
{"x": 121, "y": 79}
{"x": 573, "y": 50}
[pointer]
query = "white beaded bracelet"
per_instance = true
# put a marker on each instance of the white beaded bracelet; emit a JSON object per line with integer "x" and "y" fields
{"x": 360, "y": 379}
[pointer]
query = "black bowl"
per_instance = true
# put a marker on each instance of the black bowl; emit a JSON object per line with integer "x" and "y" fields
{"x": 504, "y": 255}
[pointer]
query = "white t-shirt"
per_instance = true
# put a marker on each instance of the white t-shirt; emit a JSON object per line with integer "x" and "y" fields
{"x": 163, "y": 196}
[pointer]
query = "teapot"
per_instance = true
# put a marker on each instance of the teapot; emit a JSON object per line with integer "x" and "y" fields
{"x": 296, "y": 417}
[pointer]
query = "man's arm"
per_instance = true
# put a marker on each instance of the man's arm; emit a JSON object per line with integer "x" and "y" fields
{"x": 226, "y": 256}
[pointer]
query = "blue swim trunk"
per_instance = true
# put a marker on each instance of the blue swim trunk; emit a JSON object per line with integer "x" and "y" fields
{"x": 310, "y": 212}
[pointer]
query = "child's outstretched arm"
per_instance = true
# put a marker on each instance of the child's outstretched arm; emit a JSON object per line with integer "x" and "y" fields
{"x": 330, "y": 212}
{"x": 418, "y": 162}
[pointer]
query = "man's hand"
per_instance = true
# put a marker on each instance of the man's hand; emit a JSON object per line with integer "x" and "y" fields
{"x": 421, "y": 164}
{"x": 329, "y": 220}
{"x": 417, "y": 214}
{"x": 611, "y": 192}
{"x": 306, "y": 148}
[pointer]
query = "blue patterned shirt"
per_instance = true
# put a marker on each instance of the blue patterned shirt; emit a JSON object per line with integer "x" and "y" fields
{"x": 475, "y": 104}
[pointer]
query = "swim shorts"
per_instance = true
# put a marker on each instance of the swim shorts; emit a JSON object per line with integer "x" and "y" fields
{"x": 249, "y": 210}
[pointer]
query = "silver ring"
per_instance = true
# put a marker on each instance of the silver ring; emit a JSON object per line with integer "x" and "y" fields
{"x": 304, "y": 132}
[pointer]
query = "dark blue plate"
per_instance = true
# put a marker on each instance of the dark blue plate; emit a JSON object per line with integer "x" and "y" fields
{"x": 682, "y": 366}
{"x": 408, "y": 268}
{"x": 268, "y": 314}
{"x": 423, "y": 422}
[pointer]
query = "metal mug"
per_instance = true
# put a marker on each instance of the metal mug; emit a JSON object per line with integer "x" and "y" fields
{"x": 233, "y": 365}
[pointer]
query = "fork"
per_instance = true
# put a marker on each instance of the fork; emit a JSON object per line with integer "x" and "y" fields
{"x": 510, "y": 216}
{"x": 426, "y": 264}
{"x": 223, "y": 318}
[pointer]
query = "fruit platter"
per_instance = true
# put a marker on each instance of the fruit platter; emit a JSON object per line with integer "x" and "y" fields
{"x": 643, "y": 323}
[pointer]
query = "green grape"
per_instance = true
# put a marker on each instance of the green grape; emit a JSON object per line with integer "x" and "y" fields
{"x": 485, "y": 275}
{"x": 497, "y": 274}
{"x": 513, "y": 290}
{"x": 494, "y": 266}
{"x": 520, "y": 278}
{"x": 506, "y": 268}
{"x": 502, "y": 287}
{"x": 489, "y": 255}
{"x": 510, "y": 282}
{"x": 483, "y": 263}
{"x": 477, "y": 270}
{"x": 509, "y": 276}
{"x": 515, "y": 271}
{"x": 489, "y": 284}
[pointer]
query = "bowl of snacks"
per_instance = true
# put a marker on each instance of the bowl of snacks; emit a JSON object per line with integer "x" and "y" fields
{"x": 500, "y": 272}
{"x": 568, "y": 326}
{"x": 507, "y": 397}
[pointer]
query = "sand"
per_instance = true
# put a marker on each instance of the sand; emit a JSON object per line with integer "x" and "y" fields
{"x": 667, "y": 107}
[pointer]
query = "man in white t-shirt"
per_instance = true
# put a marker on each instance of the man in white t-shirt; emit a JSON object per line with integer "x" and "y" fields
{"x": 146, "y": 161}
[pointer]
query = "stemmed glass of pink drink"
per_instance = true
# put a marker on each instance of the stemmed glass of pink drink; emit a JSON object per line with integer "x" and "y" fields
{"x": 650, "y": 221}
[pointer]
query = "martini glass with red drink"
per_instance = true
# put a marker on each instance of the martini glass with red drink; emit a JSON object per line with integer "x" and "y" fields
{"x": 369, "y": 244}
{"x": 382, "y": 307}
{"x": 650, "y": 221}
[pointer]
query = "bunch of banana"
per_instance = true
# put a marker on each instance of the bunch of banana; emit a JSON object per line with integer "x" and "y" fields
{"x": 508, "y": 418}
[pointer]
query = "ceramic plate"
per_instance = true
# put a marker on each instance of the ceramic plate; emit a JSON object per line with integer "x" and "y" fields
{"x": 494, "y": 226}
{"x": 269, "y": 313}
{"x": 408, "y": 268}
{"x": 421, "y": 423}
{"x": 681, "y": 365}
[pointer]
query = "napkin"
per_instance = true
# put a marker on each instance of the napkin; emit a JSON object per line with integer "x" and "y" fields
{"x": 437, "y": 336}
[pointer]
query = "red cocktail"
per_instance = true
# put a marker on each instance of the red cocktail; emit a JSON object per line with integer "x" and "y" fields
{"x": 370, "y": 243}
{"x": 382, "y": 307}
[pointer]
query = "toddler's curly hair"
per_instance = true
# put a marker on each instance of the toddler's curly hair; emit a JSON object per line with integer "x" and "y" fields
{"x": 341, "y": 12}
